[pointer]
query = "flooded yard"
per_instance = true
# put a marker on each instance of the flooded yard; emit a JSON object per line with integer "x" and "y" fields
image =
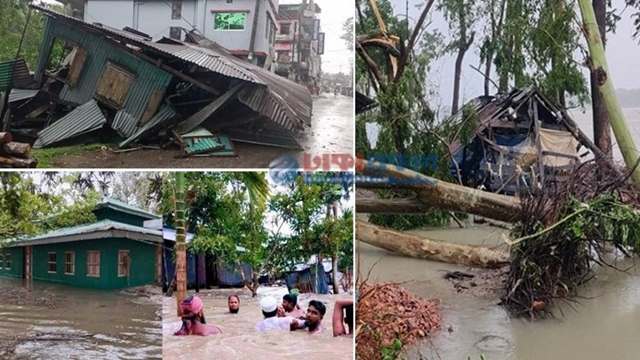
{"x": 240, "y": 340}
{"x": 602, "y": 325}
{"x": 50, "y": 321}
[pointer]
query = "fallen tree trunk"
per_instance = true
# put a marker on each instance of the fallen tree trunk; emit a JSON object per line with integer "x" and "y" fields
{"x": 441, "y": 194}
{"x": 417, "y": 247}
{"x": 17, "y": 148}
{"x": 5, "y": 137}
{"x": 391, "y": 206}
{"x": 17, "y": 162}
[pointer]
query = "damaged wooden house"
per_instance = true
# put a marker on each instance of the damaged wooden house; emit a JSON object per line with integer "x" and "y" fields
{"x": 519, "y": 142}
{"x": 93, "y": 81}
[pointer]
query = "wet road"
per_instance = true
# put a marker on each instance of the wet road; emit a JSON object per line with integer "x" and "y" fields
{"x": 239, "y": 339}
{"x": 81, "y": 324}
{"x": 331, "y": 132}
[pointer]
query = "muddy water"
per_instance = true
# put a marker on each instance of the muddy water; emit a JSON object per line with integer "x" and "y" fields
{"x": 240, "y": 340}
{"x": 604, "y": 326}
{"x": 82, "y": 324}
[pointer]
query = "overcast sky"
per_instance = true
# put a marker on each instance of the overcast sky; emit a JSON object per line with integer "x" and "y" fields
{"x": 623, "y": 56}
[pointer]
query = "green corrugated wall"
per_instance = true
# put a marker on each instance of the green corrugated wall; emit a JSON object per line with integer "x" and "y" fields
{"x": 17, "y": 263}
{"x": 149, "y": 78}
{"x": 143, "y": 269}
{"x": 111, "y": 214}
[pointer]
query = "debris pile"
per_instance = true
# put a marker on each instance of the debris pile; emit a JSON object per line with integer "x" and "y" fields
{"x": 94, "y": 83}
{"x": 388, "y": 314}
{"x": 14, "y": 154}
{"x": 566, "y": 231}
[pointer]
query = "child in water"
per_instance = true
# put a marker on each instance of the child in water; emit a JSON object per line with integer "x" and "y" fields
{"x": 193, "y": 321}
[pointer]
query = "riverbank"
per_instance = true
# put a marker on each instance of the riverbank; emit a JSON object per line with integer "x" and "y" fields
{"x": 603, "y": 324}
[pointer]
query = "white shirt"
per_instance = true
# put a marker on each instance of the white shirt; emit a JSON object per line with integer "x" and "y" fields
{"x": 274, "y": 324}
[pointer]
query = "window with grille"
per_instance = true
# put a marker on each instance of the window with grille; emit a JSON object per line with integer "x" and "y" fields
{"x": 69, "y": 263}
{"x": 52, "y": 263}
{"x": 93, "y": 263}
{"x": 176, "y": 9}
{"x": 123, "y": 263}
{"x": 229, "y": 20}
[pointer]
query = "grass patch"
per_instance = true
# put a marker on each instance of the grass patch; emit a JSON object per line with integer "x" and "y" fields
{"x": 47, "y": 157}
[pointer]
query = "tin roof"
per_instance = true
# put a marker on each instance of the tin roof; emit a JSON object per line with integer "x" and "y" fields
{"x": 282, "y": 100}
{"x": 22, "y": 94}
{"x": 126, "y": 208}
{"x": 14, "y": 73}
{"x": 98, "y": 230}
{"x": 83, "y": 119}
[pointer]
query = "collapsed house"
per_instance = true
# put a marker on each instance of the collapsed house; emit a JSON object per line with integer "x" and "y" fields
{"x": 93, "y": 81}
{"x": 520, "y": 141}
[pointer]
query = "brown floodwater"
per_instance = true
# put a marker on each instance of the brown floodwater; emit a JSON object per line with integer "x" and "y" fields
{"x": 604, "y": 325}
{"x": 74, "y": 323}
{"x": 240, "y": 340}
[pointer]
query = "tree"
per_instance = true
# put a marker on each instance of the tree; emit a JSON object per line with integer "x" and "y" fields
{"x": 311, "y": 212}
{"x": 13, "y": 18}
{"x": 347, "y": 33}
{"x": 598, "y": 63}
{"x": 460, "y": 15}
{"x": 601, "y": 127}
{"x": 496, "y": 10}
{"x": 226, "y": 213}
{"x": 29, "y": 207}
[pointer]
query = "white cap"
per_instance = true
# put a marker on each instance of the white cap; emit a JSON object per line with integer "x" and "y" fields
{"x": 268, "y": 304}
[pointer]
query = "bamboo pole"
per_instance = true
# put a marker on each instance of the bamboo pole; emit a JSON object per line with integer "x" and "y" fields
{"x": 181, "y": 254}
{"x": 598, "y": 64}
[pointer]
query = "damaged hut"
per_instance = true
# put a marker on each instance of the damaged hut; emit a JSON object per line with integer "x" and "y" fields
{"x": 94, "y": 81}
{"x": 518, "y": 142}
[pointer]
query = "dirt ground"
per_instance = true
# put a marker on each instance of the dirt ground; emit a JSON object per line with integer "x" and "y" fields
{"x": 331, "y": 132}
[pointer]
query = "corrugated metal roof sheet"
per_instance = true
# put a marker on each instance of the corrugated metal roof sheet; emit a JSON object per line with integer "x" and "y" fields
{"x": 207, "y": 59}
{"x": 164, "y": 114}
{"x": 14, "y": 73}
{"x": 83, "y": 119}
{"x": 124, "y": 124}
{"x": 128, "y": 208}
{"x": 22, "y": 94}
{"x": 100, "y": 226}
{"x": 283, "y": 101}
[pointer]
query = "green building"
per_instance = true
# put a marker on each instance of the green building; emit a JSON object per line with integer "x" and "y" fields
{"x": 122, "y": 248}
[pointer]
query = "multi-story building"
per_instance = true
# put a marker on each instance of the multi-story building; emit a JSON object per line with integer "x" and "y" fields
{"x": 247, "y": 28}
{"x": 300, "y": 44}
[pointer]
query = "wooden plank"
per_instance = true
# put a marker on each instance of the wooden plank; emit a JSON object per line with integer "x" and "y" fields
{"x": 152, "y": 106}
{"x": 113, "y": 86}
{"x": 22, "y": 150}
{"x": 201, "y": 116}
{"x": 77, "y": 64}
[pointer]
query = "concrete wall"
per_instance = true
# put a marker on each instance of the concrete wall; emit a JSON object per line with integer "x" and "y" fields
{"x": 115, "y": 13}
{"x": 154, "y": 18}
{"x": 142, "y": 268}
{"x": 17, "y": 262}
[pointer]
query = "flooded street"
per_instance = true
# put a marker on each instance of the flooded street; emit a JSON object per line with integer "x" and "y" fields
{"x": 332, "y": 126}
{"x": 240, "y": 340}
{"x": 604, "y": 325}
{"x": 73, "y": 323}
